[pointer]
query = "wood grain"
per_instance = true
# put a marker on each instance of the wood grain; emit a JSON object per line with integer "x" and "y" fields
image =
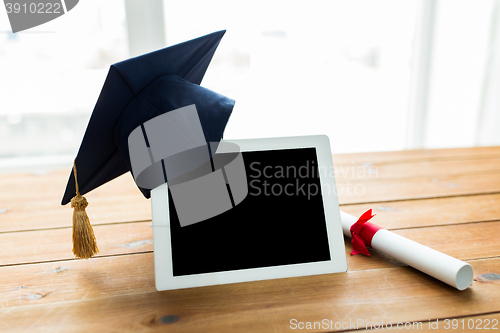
{"x": 392, "y": 215}
{"x": 431, "y": 212}
{"x": 448, "y": 199}
{"x": 417, "y": 156}
{"x": 62, "y": 280}
{"x": 106, "y": 206}
{"x": 33, "y": 202}
{"x": 56, "y": 244}
{"x": 69, "y": 280}
{"x": 390, "y": 294}
{"x": 406, "y": 189}
{"x": 477, "y": 240}
{"x": 433, "y": 169}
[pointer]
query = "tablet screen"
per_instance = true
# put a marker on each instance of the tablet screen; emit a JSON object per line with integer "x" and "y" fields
{"x": 280, "y": 222}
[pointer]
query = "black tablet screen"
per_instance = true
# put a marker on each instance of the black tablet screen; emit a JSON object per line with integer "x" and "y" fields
{"x": 280, "y": 222}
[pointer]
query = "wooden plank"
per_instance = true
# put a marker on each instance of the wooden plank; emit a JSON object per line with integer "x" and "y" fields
{"x": 119, "y": 239}
{"x": 33, "y": 202}
{"x": 116, "y": 293}
{"x": 476, "y": 241}
{"x": 124, "y": 203}
{"x": 389, "y": 295}
{"x": 431, "y": 212}
{"x": 434, "y": 169}
{"x": 418, "y": 155}
{"x": 391, "y": 190}
{"x": 466, "y": 241}
{"x": 68, "y": 280}
{"x": 56, "y": 244}
{"x": 23, "y": 186}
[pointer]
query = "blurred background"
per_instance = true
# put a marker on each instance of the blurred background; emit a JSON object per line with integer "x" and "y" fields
{"x": 374, "y": 75}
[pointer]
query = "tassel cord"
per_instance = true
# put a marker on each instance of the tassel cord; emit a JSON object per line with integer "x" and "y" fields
{"x": 84, "y": 242}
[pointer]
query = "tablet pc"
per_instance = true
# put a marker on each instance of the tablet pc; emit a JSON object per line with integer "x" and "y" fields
{"x": 287, "y": 225}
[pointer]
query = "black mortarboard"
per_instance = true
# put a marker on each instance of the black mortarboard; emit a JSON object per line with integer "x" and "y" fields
{"x": 137, "y": 90}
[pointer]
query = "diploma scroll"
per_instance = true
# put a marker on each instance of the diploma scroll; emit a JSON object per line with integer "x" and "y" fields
{"x": 445, "y": 268}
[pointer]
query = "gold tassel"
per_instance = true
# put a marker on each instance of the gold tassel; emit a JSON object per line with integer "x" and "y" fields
{"x": 84, "y": 243}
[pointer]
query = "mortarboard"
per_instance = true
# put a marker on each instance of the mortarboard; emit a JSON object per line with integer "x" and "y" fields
{"x": 135, "y": 91}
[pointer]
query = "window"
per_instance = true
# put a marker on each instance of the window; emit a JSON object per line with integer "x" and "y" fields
{"x": 372, "y": 75}
{"x": 51, "y": 77}
{"x": 340, "y": 68}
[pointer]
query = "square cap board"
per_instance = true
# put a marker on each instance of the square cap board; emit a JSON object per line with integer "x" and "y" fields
{"x": 278, "y": 218}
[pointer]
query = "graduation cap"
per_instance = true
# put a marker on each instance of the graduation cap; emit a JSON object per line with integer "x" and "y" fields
{"x": 135, "y": 91}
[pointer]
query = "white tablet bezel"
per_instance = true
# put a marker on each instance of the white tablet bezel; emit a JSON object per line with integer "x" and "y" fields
{"x": 161, "y": 226}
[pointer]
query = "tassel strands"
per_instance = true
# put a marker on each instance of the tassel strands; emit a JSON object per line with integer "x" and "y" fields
{"x": 84, "y": 243}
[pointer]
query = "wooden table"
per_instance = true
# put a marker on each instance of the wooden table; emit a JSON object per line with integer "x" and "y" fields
{"x": 447, "y": 199}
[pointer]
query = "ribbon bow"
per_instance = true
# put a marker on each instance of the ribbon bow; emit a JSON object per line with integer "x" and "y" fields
{"x": 362, "y": 233}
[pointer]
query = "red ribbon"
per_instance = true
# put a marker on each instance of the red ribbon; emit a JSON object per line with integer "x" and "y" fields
{"x": 362, "y": 233}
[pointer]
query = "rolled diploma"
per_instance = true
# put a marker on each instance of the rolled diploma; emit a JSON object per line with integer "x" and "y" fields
{"x": 443, "y": 267}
